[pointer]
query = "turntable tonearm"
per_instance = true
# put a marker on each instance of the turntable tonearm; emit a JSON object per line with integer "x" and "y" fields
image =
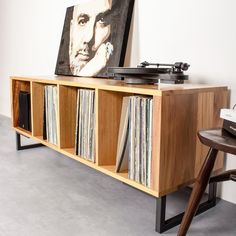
{"x": 144, "y": 74}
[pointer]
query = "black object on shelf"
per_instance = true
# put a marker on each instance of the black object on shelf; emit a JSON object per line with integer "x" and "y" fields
{"x": 24, "y": 110}
{"x": 143, "y": 74}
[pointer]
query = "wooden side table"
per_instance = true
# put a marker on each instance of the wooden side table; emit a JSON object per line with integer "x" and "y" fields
{"x": 217, "y": 140}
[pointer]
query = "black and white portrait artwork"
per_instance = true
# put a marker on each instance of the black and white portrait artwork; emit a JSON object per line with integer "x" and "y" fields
{"x": 94, "y": 37}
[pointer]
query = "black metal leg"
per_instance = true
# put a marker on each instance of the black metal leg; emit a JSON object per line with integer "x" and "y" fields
{"x": 212, "y": 192}
{"x": 163, "y": 225}
{"x": 160, "y": 213}
{"x": 21, "y": 147}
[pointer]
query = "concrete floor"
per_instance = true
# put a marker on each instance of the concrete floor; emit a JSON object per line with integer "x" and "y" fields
{"x": 43, "y": 193}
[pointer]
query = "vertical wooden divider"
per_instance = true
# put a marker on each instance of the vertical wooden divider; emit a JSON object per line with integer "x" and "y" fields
{"x": 31, "y": 107}
{"x": 156, "y": 142}
{"x": 58, "y": 117}
{"x": 108, "y": 120}
{"x": 11, "y": 100}
{"x": 67, "y": 116}
{"x": 37, "y": 103}
{"x": 96, "y": 126}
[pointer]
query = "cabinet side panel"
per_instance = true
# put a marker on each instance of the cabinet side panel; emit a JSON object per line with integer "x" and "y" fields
{"x": 156, "y": 142}
{"x": 209, "y": 105}
{"x": 204, "y": 121}
{"x": 108, "y": 120}
{"x": 17, "y": 86}
{"x": 37, "y": 108}
{"x": 67, "y": 113}
{"x": 178, "y": 141}
{"x": 221, "y": 100}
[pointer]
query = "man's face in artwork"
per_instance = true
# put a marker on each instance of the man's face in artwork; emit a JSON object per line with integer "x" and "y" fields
{"x": 89, "y": 33}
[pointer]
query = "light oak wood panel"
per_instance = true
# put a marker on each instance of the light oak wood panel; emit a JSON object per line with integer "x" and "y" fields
{"x": 221, "y": 100}
{"x": 24, "y": 132}
{"x": 37, "y": 108}
{"x": 31, "y": 106}
{"x": 205, "y": 121}
{"x": 108, "y": 120}
{"x": 121, "y": 86}
{"x": 17, "y": 86}
{"x": 156, "y": 142}
{"x": 209, "y": 105}
{"x": 96, "y": 126}
{"x": 67, "y": 115}
{"x": 182, "y": 154}
{"x": 178, "y": 140}
{"x": 58, "y": 119}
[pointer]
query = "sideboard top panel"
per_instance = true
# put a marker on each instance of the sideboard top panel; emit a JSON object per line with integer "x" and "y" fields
{"x": 117, "y": 85}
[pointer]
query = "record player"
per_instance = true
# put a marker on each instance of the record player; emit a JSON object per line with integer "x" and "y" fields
{"x": 151, "y": 73}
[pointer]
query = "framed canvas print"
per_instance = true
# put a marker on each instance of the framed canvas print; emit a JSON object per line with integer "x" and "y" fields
{"x": 94, "y": 37}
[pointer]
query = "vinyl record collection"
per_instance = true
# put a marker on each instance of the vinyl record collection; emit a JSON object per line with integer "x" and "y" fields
{"x": 50, "y": 131}
{"x": 85, "y": 124}
{"x": 135, "y": 139}
{"x": 134, "y": 146}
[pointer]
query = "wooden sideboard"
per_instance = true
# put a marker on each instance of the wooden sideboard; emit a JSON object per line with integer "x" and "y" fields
{"x": 179, "y": 111}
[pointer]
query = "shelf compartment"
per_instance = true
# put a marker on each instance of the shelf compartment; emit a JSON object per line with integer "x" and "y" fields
{"x": 67, "y": 116}
{"x": 38, "y": 109}
{"x": 109, "y": 114}
{"x": 17, "y": 86}
{"x": 68, "y": 119}
{"x": 109, "y": 104}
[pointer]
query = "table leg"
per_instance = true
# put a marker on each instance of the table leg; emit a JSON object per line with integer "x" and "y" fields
{"x": 198, "y": 190}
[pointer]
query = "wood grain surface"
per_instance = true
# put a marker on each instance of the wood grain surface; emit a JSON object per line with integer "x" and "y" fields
{"x": 179, "y": 111}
